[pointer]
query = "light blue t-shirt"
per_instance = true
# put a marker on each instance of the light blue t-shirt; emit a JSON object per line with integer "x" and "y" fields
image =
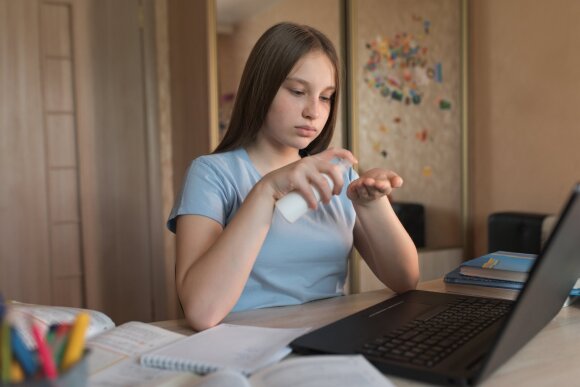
{"x": 298, "y": 262}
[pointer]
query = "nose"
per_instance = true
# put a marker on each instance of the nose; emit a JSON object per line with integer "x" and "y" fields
{"x": 312, "y": 109}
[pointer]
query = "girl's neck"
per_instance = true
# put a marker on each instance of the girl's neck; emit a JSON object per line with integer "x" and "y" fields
{"x": 267, "y": 159}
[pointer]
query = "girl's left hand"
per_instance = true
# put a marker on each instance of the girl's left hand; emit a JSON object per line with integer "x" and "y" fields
{"x": 372, "y": 185}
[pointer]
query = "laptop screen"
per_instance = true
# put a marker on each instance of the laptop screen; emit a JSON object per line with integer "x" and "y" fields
{"x": 551, "y": 278}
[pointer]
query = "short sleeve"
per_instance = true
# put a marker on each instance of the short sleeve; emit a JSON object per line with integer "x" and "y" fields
{"x": 203, "y": 193}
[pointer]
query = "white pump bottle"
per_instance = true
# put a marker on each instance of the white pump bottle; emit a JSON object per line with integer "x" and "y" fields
{"x": 292, "y": 206}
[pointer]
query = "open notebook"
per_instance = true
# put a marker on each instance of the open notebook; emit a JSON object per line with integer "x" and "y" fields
{"x": 241, "y": 348}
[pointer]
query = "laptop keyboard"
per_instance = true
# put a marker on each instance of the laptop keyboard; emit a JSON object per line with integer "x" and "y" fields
{"x": 430, "y": 338}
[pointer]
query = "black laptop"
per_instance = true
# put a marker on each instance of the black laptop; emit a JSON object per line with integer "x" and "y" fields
{"x": 451, "y": 339}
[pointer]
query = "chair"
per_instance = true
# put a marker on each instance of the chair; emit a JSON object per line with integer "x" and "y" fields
{"x": 520, "y": 232}
{"x": 412, "y": 216}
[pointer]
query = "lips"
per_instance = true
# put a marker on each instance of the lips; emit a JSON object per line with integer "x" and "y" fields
{"x": 306, "y": 131}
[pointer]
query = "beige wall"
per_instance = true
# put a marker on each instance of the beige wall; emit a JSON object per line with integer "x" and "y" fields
{"x": 524, "y": 107}
{"x": 523, "y": 96}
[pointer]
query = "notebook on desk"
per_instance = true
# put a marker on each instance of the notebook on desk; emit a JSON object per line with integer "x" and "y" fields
{"x": 451, "y": 339}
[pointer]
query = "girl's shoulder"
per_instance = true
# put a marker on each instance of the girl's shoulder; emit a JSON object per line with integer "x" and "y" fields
{"x": 224, "y": 160}
{"x": 234, "y": 165}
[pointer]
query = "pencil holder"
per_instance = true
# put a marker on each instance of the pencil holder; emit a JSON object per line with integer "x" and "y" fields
{"x": 76, "y": 376}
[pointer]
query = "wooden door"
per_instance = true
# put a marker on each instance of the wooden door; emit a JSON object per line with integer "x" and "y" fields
{"x": 81, "y": 220}
{"x": 26, "y": 216}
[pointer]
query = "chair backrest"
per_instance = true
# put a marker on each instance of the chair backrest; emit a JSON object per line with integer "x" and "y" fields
{"x": 412, "y": 216}
{"x": 519, "y": 232}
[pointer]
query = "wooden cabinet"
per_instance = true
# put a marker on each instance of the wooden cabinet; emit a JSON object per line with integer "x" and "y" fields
{"x": 82, "y": 220}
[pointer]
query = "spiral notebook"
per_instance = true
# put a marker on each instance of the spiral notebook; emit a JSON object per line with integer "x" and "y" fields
{"x": 245, "y": 349}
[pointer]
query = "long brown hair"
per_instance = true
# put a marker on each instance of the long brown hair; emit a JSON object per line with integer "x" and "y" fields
{"x": 269, "y": 63}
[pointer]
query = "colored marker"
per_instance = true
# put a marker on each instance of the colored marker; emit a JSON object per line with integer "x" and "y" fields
{"x": 6, "y": 353}
{"x": 51, "y": 334}
{"x": 2, "y": 307}
{"x": 59, "y": 345}
{"x": 16, "y": 374}
{"x": 24, "y": 356}
{"x": 76, "y": 341}
{"x": 44, "y": 354}
{"x": 439, "y": 72}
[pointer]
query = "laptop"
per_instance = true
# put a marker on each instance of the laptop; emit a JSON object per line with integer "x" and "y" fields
{"x": 452, "y": 339}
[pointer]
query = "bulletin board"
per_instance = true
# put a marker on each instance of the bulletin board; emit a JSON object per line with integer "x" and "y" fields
{"x": 408, "y": 118}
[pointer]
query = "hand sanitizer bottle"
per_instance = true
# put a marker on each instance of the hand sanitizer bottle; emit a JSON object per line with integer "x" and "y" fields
{"x": 292, "y": 206}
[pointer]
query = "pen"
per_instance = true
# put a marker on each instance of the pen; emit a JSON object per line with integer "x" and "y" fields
{"x": 50, "y": 334}
{"x": 24, "y": 356}
{"x": 44, "y": 354}
{"x": 6, "y": 353}
{"x": 16, "y": 374}
{"x": 59, "y": 344}
{"x": 2, "y": 307}
{"x": 76, "y": 341}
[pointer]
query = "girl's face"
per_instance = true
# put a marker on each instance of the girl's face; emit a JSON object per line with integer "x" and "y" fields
{"x": 302, "y": 105}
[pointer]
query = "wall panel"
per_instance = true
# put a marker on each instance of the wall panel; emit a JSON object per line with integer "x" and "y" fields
{"x": 524, "y": 82}
{"x": 24, "y": 223}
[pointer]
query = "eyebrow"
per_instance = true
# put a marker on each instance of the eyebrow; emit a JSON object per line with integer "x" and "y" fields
{"x": 306, "y": 83}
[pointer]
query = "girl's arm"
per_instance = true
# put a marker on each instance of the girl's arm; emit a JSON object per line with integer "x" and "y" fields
{"x": 213, "y": 263}
{"x": 379, "y": 236}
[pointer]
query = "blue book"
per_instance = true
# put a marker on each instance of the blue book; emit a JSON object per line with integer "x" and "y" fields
{"x": 455, "y": 277}
{"x": 501, "y": 265}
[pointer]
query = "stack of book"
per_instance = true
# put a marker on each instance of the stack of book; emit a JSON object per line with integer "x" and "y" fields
{"x": 501, "y": 269}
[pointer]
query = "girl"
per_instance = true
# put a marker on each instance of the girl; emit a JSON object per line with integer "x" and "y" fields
{"x": 234, "y": 250}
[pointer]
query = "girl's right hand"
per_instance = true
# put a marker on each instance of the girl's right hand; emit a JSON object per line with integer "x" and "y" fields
{"x": 305, "y": 174}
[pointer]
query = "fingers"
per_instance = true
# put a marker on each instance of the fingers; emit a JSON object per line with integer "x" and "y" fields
{"x": 382, "y": 187}
{"x": 307, "y": 177}
{"x": 314, "y": 177}
{"x": 341, "y": 153}
{"x": 377, "y": 188}
{"x": 395, "y": 180}
{"x": 324, "y": 163}
{"x": 374, "y": 184}
{"x": 364, "y": 192}
{"x": 303, "y": 180}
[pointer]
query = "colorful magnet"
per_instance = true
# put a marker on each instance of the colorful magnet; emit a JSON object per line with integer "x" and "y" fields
{"x": 422, "y": 135}
{"x": 444, "y": 104}
{"x": 439, "y": 72}
{"x": 397, "y": 95}
{"x": 393, "y": 81}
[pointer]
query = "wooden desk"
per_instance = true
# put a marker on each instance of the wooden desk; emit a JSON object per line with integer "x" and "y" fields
{"x": 550, "y": 358}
